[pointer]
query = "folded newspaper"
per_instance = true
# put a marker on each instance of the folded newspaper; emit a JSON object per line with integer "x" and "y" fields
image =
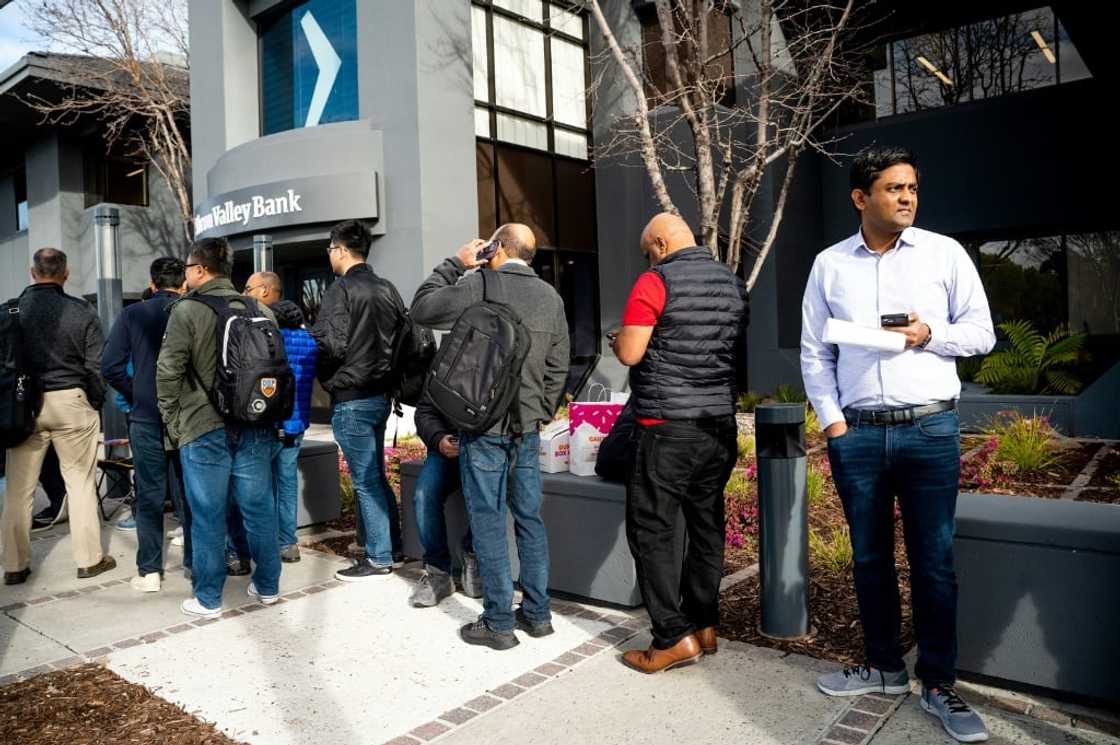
{"x": 854, "y": 335}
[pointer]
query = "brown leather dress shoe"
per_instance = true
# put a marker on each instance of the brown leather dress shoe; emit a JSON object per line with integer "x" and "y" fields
{"x": 707, "y": 639}
{"x": 653, "y": 660}
{"x": 106, "y": 563}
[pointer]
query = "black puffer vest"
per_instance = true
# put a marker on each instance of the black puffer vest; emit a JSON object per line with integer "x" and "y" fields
{"x": 688, "y": 371}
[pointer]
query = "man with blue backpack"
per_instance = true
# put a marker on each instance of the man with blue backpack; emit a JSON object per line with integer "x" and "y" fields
{"x": 497, "y": 377}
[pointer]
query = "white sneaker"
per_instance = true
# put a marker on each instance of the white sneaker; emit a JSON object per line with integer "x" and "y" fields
{"x": 265, "y": 599}
{"x": 149, "y": 582}
{"x": 176, "y": 533}
{"x": 192, "y": 607}
{"x": 177, "y": 540}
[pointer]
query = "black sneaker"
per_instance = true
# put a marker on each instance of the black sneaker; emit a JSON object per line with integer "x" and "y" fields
{"x": 535, "y": 629}
{"x": 236, "y": 566}
{"x": 46, "y": 517}
{"x": 480, "y": 634}
{"x": 17, "y": 578}
{"x": 362, "y": 571}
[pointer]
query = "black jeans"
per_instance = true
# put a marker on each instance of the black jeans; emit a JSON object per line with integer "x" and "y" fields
{"x": 680, "y": 466}
{"x": 50, "y": 476}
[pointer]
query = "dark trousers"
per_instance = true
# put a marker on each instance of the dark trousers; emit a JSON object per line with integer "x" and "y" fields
{"x": 919, "y": 463}
{"x": 679, "y": 467}
{"x": 50, "y": 476}
{"x": 157, "y": 476}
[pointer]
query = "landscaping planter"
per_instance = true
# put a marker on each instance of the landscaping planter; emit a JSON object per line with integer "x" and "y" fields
{"x": 318, "y": 483}
{"x": 1092, "y": 413}
{"x": 1040, "y": 592}
{"x": 586, "y": 522}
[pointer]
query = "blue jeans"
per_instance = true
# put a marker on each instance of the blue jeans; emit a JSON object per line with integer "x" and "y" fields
{"x": 485, "y": 468}
{"x": 231, "y": 464}
{"x": 285, "y": 485}
{"x": 359, "y": 429}
{"x": 919, "y": 463}
{"x": 438, "y": 479}
{"x": 155, "y": 479}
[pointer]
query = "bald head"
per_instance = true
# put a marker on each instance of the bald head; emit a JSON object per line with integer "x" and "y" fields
{"x": 265, "y": 286}
{"x": 517, "y": 241}
{"x": 665, "y": 234}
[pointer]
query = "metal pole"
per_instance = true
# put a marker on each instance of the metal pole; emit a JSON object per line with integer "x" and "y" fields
{"x": 106, "y": 224}
{"x": 783, "y": 508}
{"x": 262, "y": 253}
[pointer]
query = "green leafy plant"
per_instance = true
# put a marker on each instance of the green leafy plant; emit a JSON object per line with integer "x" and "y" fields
{"x": 968, "y": 368}
{"x": 833, "y": 554}
{"x": 1035, "y": 363}
{"x": 812, "y": 424}
{"x": 1114, "y": 480}
{"x": 747, "y": 402}
{"x": 346, "y": 494}
{"x": 1028, "y": 443}
{"x": 745, "y": 446}
{"x": 788, "y": 394}
{"x": 815, "y": 481}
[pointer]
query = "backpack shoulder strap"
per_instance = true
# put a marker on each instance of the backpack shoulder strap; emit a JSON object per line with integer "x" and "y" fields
{"x": 493, "y": 290}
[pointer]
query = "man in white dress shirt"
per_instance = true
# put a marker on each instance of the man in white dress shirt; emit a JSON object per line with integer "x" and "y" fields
{"x": 892, "y": 424}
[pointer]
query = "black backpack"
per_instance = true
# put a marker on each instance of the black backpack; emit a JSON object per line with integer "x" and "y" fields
{"x": 413, "y": 352}
{"x": 475, "y": 379}
{"x": 253, "y": 384}
{"x": 21, "y": 390}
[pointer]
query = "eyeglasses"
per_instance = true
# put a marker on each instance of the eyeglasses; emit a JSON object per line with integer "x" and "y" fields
{"x": 332, "y": 248}
{"x": 253, "y": 288}
{"x": 188, "y": 266}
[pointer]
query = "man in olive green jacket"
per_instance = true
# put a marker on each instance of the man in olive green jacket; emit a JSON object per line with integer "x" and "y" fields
{"x": 221, "y": 460}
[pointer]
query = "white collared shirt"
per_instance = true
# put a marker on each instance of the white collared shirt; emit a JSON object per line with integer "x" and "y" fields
{"x": 924, "y": 273}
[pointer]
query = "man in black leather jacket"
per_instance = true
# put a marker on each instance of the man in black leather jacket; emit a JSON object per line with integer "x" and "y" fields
{"x": 357, "y": 326}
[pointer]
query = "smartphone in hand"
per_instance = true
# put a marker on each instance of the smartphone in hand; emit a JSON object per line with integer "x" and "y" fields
{"x": 487, "y": 252}
{"x": 895, "y": 319}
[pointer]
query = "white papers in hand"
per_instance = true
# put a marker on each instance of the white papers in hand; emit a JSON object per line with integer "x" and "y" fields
{"x": 852, "y": 334}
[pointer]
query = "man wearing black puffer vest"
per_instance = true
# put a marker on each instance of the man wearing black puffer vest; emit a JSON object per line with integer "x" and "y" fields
{"x": 683, "y": 335}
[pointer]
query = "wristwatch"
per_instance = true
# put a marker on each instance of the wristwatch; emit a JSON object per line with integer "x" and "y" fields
{"x": 929, "y": 336}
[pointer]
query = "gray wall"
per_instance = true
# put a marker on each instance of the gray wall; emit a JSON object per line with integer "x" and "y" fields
{"x": 414, "y": 95}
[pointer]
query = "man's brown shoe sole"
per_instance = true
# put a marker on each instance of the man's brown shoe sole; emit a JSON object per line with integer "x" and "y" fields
{"x": 106, "y": 564}
{"x": 679, "y": 663}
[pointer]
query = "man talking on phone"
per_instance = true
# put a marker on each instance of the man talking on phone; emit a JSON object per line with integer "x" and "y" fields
{"x": 892, "y": 425}
{"x": 499, "y": 468}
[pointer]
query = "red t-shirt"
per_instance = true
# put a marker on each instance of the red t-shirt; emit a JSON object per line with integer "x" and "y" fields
{"x": 643, "y": 308}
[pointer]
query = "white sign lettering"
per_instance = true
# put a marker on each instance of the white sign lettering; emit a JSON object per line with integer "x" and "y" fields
{"x": 258, "y": 206}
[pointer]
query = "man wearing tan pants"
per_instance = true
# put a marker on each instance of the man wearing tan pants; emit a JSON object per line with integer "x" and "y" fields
{"x": 63, "y": 344}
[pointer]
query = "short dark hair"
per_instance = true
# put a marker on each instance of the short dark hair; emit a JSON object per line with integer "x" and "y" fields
{"x": 872, "y": 161}
{"x": 167, "y": 273}
{"x": 509, "y": 236}
{"x": 49, "y": 263}
{"x": 353, "y": 235}
{"x": 213, "y": 255}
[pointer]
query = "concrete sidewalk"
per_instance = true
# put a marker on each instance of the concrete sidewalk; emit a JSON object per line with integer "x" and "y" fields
{"x": 352, "y": 663}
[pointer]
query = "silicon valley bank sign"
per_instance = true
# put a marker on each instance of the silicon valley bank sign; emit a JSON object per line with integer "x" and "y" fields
{"x": 314, "y": 199}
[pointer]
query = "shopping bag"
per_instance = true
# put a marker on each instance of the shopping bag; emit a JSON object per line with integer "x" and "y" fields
{"x": 588, "y": 423}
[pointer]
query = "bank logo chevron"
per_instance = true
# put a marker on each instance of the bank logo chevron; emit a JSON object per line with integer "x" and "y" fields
{"x": 329, "y": 64}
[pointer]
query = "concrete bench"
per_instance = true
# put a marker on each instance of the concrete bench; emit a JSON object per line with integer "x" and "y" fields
{"x": 586, "y": 522}
{"x": 318, "y": 483}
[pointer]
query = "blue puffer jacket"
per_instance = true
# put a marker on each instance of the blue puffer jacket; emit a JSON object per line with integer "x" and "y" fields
{"x": 302, "y": 353}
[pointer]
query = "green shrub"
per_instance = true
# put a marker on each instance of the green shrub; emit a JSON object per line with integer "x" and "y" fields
{"x": 788, "y": 394}
{"x": 346, "y": 492}
{"x": 1034, "y": 363}
{"x": 1028, "y": 443}
{"x": 745, "y": 446}
{"x": 815, "y": 481}
{"x": 833, "y": 554}
{"x": 747, "y": 402}
{"x": 812, "y": 424}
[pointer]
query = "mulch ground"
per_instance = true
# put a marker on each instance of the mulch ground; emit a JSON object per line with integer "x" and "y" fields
{"x": 1107, "y": 469}
{"x": 92, "y": 705}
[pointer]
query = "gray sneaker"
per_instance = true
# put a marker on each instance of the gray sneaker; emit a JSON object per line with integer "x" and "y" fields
{"x": 861, "y": 679}
{"x": 472, "y": 580}
{"x": 958, "y": 718}
{"x": 289, "y": 554}
{"x": 434, "y": 586}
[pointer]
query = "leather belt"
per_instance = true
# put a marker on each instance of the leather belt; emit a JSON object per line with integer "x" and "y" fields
{"x": 896, "y": 416}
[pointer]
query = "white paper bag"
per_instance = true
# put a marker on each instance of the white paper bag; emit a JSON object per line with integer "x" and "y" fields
{"x": 554, "y": 451}
{"x": 585, "y": 441}
{"x": 846, "y": 332}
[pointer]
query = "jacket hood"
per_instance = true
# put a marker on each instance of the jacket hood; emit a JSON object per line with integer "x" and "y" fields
{"x": 288, "y": 314}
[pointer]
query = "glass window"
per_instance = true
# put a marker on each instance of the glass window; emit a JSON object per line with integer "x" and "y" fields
{"x": 113, "y": 179}
{"x": 565, "y": 21}
{"x": 522, "y": 132}
{"x": 1071, "y": 67}
{"x": 519, "y": 77}
{"x": 1025, "y": 280}
{"x": 487, "y": 195}
{"x": 569, "y": 86}
{"x": 526, "y": 192}
{"x": 531, "y": 9}
{"x": 309, "y": 65}
{"x": 1094, "y": 282}
{"x": 481, "y": 121}
{"x": 575, "y": 205}
{"x": 480, "y": 54}
{"x": 20, "y": 179}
